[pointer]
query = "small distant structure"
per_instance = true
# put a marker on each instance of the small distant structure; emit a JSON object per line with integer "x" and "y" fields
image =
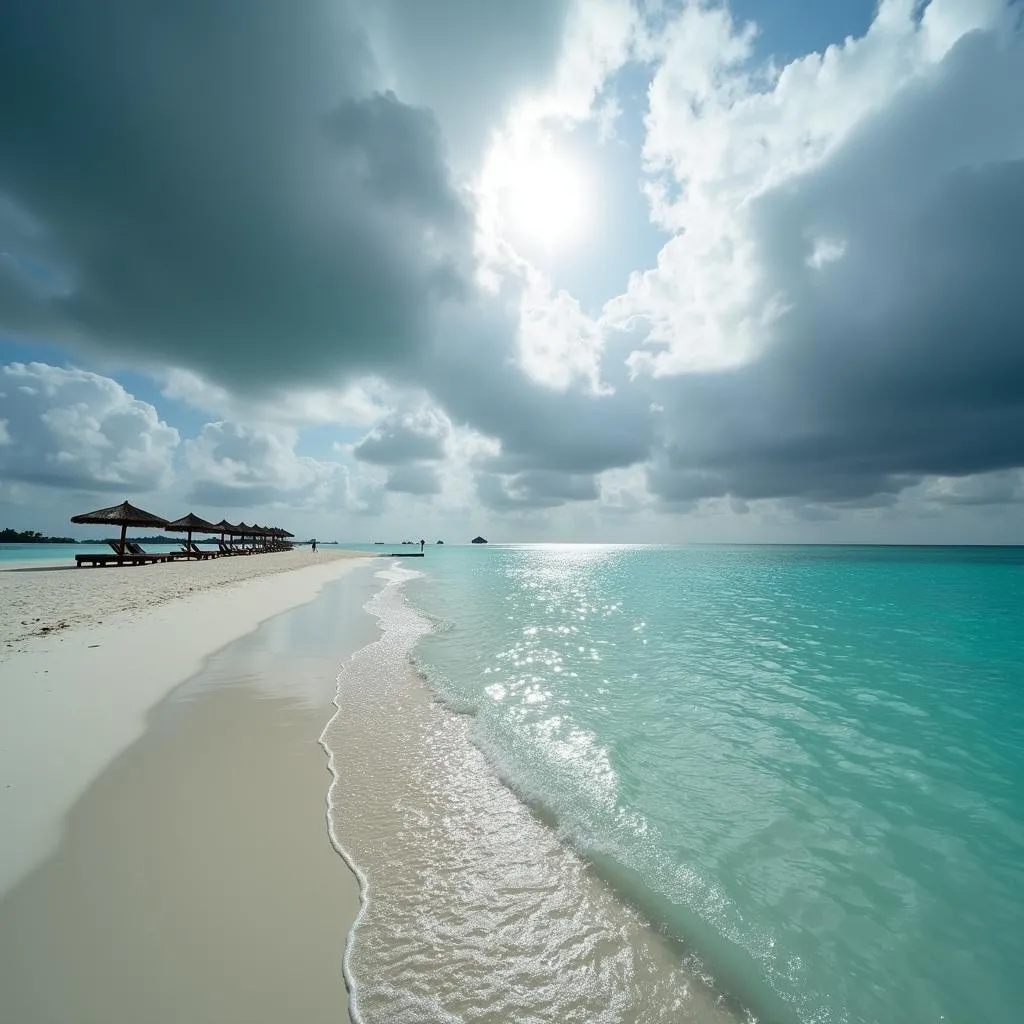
{"x": 440, "y": 542}
{"x": 478, "y": 540}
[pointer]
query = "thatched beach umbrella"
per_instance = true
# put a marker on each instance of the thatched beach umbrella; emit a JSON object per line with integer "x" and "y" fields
{"x": 191, "y": 524}
{"x": 123, "y": 515}
{"x": 224, "y": 528}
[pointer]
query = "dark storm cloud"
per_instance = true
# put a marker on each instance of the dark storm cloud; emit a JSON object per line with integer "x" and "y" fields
{"x": 227, "y": 187}
{"x": 222, "y": 188}
{"x": 218, "y": 186}
{"x": 904, "y": 357}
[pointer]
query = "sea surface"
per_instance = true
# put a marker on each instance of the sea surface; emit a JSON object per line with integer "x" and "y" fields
{"x": 606, "y": 783}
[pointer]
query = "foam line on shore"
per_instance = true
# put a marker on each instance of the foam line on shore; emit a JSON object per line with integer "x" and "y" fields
{"x": 395, "y": 577}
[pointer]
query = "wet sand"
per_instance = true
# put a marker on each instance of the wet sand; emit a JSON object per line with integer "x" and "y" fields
{"x": 194, "y": 880}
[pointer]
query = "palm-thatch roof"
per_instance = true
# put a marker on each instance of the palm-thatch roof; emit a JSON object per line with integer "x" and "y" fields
{"x": 120, "y": 515}
{"x": 192, "y": 524}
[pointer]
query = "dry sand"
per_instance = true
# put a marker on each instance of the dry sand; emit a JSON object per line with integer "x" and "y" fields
{"x": 171, "y": 865}
{"x": 71, "y": 700}
{"x": 42, "y": 599}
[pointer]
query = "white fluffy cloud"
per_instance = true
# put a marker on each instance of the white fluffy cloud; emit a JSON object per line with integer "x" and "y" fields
{"x": 833, "y": 322}
{"x": 559, "y": 345}
{"x": 835, "y": 319}
{"x": 71, "y": 428}
{"x": 360, "y": 403}
{"x": 723, "y": 132}
{"x": 232, "y": 466}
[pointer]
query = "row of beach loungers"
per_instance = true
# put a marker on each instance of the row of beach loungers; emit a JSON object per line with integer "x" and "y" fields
{"x": 135, "y": 554}
{"x": 234, "y": 539}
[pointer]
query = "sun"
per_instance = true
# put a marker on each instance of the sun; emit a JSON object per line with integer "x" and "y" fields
{"x": 545, "y": 198}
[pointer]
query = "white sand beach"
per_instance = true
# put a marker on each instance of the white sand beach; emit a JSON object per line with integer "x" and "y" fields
{"x": 40, "y": 599}
{"x": 168, "y": 864}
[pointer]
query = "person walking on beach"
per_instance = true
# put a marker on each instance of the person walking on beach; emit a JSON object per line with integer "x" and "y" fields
{"x": 422, "y": 542}
{"x": 313, "y": 545}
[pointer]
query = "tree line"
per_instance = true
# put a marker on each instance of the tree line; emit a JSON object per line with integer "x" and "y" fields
{"x": 9, "y": 536}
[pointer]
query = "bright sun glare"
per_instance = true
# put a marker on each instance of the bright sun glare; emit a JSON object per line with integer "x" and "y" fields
{"x": 546, "y": 199}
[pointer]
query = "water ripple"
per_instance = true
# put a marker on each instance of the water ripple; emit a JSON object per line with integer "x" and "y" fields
{"x": 805, "y": 762}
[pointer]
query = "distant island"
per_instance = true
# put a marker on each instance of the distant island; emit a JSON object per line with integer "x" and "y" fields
{"x": 478, "y": 540}
{"x": 8, "y": 536}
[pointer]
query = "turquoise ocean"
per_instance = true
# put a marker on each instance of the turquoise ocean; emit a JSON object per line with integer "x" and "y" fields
{"x": 706, "y": 783}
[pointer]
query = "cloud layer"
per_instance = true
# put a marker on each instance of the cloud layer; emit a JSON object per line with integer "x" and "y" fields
{"x": 221, "y": 189}
{"x": 73, "y": 429}
{"x": 869, "y": 334}
{"x": 286, "y": 220}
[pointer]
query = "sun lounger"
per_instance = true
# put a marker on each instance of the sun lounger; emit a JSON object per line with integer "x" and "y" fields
{"x": 104, "y": 559}
{"x": 195, "y": 551}
{"x": 155, "y": 556}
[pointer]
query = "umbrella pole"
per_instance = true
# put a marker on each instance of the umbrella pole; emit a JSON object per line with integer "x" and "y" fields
{"x": 188, "y": 546}
{"x": 120, "y": 557}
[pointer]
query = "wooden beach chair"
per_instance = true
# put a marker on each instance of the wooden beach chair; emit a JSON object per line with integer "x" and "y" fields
{"x": 195, "y": 551}
{"x": 154, "y": 556}
{"x": 101, "y": 559}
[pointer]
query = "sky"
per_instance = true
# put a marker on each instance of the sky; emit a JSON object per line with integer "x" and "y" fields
{"x": 661, "y": 271}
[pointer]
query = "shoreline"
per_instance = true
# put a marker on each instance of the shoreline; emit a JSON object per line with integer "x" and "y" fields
{"x": 226, "y": 901}
{"x": 71, "y": 701}
{"x": 43, "y": 598}
{"x": 195, "y": 877}
{"x": 472, "y": 905}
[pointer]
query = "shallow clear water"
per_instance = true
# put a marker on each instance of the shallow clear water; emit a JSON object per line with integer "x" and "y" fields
{"x": 474, "y": 910}
{"x": 45, "y": 552}
{"x": 803, "y": 766}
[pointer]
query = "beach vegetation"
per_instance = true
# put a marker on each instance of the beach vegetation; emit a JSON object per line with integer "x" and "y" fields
{"x": 9, "y": 536}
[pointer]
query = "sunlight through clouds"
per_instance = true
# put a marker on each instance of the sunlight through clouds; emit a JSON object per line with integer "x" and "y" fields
{"x": 644, "y": 268}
